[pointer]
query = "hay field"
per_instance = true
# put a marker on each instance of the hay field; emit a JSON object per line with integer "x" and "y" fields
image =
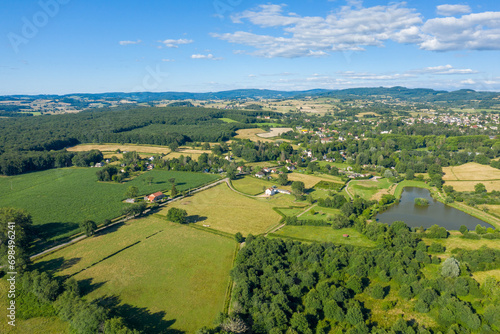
{"x": 469, "y": 185}
{"x": 228, "y": 211}
{"x": 311, "y": 180}
{"x": 252, "y": 134}
{"x": 274, "y": 132}
{"x": 471, "y": 172}
{"x": 114, "y": 147}
{"x": 159, "y": 276}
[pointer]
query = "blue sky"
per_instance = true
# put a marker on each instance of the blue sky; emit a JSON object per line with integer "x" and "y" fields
{"x": 76, "y": 46}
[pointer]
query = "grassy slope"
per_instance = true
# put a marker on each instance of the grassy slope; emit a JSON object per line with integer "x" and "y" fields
{"x": 368, "y": 188}
{"x": 227, "y": 211}
{"x": 166, "y": 276}
{"x": 61, "y": 198}
{"x": 324, "y": 234}
{"x": 251, "y": 185}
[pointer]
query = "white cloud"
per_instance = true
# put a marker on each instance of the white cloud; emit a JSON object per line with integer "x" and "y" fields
{"x": 371, "y": 76}
{"x": 450, "y": 10}
{"x": 129, "y": 42}
{"x": 168, "y": 60}
{"x": 354, "y": 27}
{"x": 174, "y": 43}
{"x": 468, "y": 82}
{"x": 202, "y": 56}
{"x": 446, "y": 69}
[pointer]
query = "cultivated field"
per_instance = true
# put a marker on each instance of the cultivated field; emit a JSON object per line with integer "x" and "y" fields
{"x": 251, "y": 185}
{"x": 471, "y": 172}
{"x": 274, "y": 132}
{"x": 158, "y": 275}
{"x": 114, "y": 147}
{"x": 59, "y": 199}
{"x": 324, "y": 234}
{"x": 225, "y": 210}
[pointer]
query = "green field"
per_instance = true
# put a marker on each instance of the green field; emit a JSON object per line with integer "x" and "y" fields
{"x": 157, "y": 275}
{"x": 251, "y": 185}
{"x": 320, "y": 213}
{"x": 324, "y": 234}
{"x": 228, "y": 120}
{"x": 368, "y": 189}
{"x": 222, "y": 209}
{"x": 59, "y": 199}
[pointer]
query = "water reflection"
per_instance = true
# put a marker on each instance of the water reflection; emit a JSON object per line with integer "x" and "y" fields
{"x": 436, "y": 213}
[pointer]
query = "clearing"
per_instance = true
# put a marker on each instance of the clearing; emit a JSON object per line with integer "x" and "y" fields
{"x": 274, "y": 132}
{"x": 158, "y": 275}
{"x": 372, "y": 189}
{"x": 113, "y": 147}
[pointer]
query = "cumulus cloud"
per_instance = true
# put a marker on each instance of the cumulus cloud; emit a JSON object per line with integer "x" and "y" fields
{"x": 354, "y": 27}
{"x": 450, "y": 10}
{"x": 372, "y": 76}
{"x": 202, "y": 56}
{"x": 174, "y": 43}
{"x": 168, "y": 60}
{"x": 129, "y": 42}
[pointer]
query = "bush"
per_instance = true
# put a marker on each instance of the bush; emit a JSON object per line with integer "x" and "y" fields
{"x": 239, "y": 237}
{"x": 378, "y": 291}
{"x": 436, "y": 248}
{"x": 450, "y": 268}
{"x": 421, "y": 201}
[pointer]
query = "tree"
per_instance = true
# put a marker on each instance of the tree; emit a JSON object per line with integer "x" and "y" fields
{"x": 298, "y": 187}
{"x": 480, "y": 229}
{"x": 177, "y": 215}
{"x": 378, "y": 291}
{"x": 450, "y": 268}
{"x": 463, "y": 229}
{"x": 132, "y": 192}
{"x": 88, "y": 227}
{"x": 239, "y": 237}
{"x": 283, "y": 179}
{"x": 410, "y": 174}
{"x": 23, "y": 236}
{"x": 479, "y": 188}
{"x": 173, "y": 191}
{"x": 173, "y": 146}
{"x": 150, "y": 179}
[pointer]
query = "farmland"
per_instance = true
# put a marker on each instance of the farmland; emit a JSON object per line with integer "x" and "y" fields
{"x": 253, "y": 186}
{"x": 370, "y": 189}
{"x": 223, "y": 209}
{"x": 106, "y": 148}
{"x": 311, "y": 180}
{"x": 158, "y": 275}
{"x": 471, "y": 172}
{"x": 253, "y": 134}
{"x": 59, "y": 199}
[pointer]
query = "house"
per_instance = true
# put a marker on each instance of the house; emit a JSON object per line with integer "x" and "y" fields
{"x": 290, "y": 168}
{"x": 98, "y": 165}
{"x": 155, "y": 197}
{"x": 283, "y": 191}
{"x": 229, "y": 157}
{"x": 130, "y": 200}
{"x": 260, "y": 175}
{"x": 270, "y": 191}
{"x": 240, "y": 169}
{"x": 266, "y": 170}
{"x": 150, "y": 167}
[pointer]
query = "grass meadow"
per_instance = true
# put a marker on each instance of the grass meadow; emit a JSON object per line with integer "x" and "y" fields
{"x": 59, "y": 199}
{"x": 253, "y": 186}
{"x": 224, "y": 210}
{"x": 161, "y": 277}
{"x": 323, "y": 234}
{"x": 370, "y": 189}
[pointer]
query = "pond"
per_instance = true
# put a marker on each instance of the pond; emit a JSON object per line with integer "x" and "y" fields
{"x": 436, "y": 213}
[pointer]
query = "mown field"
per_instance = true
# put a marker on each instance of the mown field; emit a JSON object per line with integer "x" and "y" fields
{"x": 324, "y": 234}
{"x": 59, "y": 199}
{"x": 113, "y": 147}
{"x": 159, "y": 276}
{"x": 44, "y": 325}
{"x": 225, "y": 210}
{"x": 254, "y": 186}
{"x": 252, "y": 135}
{"x": 311, "y": 180}
{"x": 471, "y": 172}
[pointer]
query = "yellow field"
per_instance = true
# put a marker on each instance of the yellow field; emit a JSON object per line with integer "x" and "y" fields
{"x": 454, "y": 241}
{"x": 471, "y": 172}
{"x": 481, "y": 276}
{"x": 252, "y": 135}
{"x": 114, "y": 147}
{"x": 367, "y": 113}
{"x": 225, "y": 210}
{"x": 469, "y": 185}
{"x": 311, "y": 180}
{"x": 194, "y": 154}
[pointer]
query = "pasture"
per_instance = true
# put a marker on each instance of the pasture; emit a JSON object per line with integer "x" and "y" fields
{"x": 370, "y": 189}
{"x": 252, "y": 134}
{"x": 274, "y": 132}
{"x": 59, "y": 199}
{"x": 158, "y": 275}
{"x": 251, "y": 185}
{"x": 469, "y": 185}
{"x": 225, "y": 210}
{"x": 324, "y": 234}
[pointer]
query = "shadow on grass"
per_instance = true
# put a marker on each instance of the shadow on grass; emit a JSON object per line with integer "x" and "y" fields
{"x": 86, "y": 286}
{"x": 139, "y": 318}
{"x": 194, "y": 219}
{"x": 51, "y": 230}
{"x": 57, "y": 264}
{"x": 110, "y": 229}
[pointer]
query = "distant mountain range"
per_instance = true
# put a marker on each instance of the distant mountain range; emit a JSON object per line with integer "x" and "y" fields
{"x": 402, "y": 93}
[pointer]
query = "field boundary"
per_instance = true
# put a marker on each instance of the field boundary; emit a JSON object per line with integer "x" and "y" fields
{"x": 231, "y": 283}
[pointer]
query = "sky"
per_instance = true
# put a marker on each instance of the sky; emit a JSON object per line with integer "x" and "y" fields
{"x": 77, "y": 46}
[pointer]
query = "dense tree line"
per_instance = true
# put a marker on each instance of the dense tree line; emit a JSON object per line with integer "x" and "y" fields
{"x": 27, "y": 144}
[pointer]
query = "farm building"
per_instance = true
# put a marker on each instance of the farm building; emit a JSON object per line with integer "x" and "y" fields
{"x": 155, "y": 197}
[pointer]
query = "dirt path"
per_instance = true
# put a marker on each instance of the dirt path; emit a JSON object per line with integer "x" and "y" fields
{"x": 347, "y": 189}
{"x": 307, "y": 209}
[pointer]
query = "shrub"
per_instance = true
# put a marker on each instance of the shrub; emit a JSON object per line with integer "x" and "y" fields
{"x": 450, "y": 268}
{"x": 436, "y": 248}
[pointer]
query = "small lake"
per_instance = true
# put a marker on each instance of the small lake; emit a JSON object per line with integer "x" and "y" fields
{"x": 436, "y": 213}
